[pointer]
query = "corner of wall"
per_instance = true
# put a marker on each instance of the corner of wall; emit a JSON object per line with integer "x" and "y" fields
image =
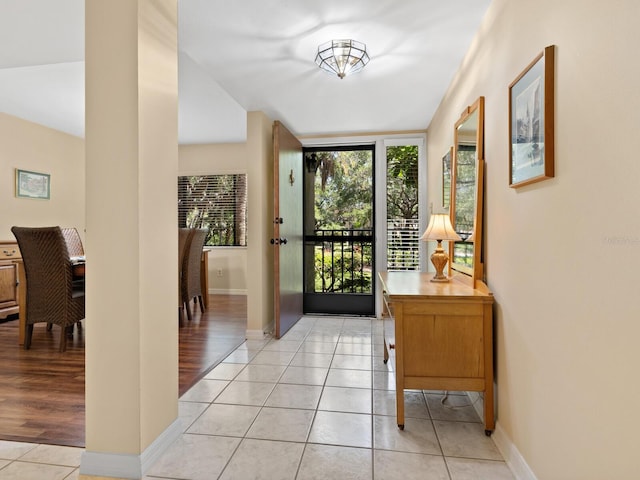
{"x": 512, "y": 456}
{"x": 259, "y": 251}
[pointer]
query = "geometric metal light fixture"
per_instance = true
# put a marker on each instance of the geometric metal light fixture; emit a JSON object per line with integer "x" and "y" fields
{"x": 342, "y": 57}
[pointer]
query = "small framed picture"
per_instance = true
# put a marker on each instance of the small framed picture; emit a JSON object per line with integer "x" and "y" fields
{"x": 446, "y": 178}
{"x": 32, "y": 184}
{"x": 531, "y": 101}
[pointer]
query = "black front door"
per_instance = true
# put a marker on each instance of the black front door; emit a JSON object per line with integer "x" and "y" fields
{"x": 339, "y": 271}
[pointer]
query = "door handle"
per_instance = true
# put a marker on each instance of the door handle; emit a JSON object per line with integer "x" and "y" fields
{"x": 278, "y": 241}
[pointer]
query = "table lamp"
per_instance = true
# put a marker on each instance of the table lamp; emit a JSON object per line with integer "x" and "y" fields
{"x": 440, "y": 229}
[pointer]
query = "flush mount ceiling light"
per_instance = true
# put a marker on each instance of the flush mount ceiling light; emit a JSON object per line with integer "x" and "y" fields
{"x": 342, "y": 57}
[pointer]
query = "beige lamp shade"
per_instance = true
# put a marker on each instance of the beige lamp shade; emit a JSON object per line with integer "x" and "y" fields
{"x": 440, "y": 228}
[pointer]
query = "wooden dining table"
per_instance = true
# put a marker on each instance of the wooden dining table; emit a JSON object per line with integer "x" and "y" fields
{"x": 78, "y": 265}
{"x": 78, "y": 268}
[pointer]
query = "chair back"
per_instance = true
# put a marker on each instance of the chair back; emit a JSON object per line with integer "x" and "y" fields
{"x": 184, "y": 238}
{"x": 50, "y": 294}
{"x": 74, "y": 242}
{"x": 191, "y": 286}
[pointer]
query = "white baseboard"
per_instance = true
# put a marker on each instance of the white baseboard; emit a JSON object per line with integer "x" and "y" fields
{"x": 270, "y": 329}
{"x": 227, "y": 291}
{"x": 516, "y": 462}
{"x": 129, "y": 466}
{"x": 255, "y": 335}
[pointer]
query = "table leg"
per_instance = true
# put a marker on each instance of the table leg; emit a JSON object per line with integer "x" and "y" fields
{"x": 22, "y": 302}
{"x": 204, "y": 278}
{"x": 400, "y": 407}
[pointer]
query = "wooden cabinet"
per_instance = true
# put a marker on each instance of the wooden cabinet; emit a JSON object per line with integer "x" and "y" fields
{"x": 9, "y": 253}
{"x": 439, "y": 336}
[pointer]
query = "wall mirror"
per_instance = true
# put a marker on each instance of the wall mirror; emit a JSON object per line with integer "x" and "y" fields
{"x": 467, "y": 177}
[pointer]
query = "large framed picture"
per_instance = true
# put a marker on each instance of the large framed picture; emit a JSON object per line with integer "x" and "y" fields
{"x": 32, "y": 184}
{"x": 531, "y": 102}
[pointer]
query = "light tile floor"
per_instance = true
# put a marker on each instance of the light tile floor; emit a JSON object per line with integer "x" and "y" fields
{"x": 317, "y": 404}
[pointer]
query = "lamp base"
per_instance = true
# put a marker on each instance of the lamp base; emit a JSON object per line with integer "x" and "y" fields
{"x": 439, "y": 259}
{"x": 444, "y": 279}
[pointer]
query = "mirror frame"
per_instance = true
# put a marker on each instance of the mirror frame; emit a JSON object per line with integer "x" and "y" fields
{"x": 476, "y": 272}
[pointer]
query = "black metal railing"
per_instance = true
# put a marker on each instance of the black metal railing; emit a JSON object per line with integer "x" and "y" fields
{"x": 342, "y": 259}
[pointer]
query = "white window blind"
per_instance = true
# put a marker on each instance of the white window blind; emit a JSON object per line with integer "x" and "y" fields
{"x": 403, "y": 232}
{"x": 217, "y": 203}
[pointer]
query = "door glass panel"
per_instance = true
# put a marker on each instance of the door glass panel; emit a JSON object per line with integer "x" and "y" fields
{"x": 339, "y": 228}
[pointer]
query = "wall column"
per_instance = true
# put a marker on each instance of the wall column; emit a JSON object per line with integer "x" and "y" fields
{"x": 131, "y": 153}
{"x": 260, "y": 225}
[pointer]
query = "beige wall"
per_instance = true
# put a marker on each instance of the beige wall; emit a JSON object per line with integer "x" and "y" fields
{"x": 255, "y": 158}
{"x": 29, "y": 146}
{"x": 562, "y": 256}
{"x": 227, "y": 265}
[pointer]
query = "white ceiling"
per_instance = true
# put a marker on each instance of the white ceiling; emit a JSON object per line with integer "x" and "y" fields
{"x": 239, "y": 56}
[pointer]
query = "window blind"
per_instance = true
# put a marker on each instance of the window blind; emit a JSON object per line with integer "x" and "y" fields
{"x": 403, "y": 232}
{"x": 217, "y": 203}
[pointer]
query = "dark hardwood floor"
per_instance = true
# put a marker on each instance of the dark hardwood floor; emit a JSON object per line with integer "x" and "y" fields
{"x": 42, "y": 390}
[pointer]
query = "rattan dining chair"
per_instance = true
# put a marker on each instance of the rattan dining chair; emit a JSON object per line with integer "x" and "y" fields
{"x": 184, "y": 239}
{"x": 52, "y": 296}
{"x": 74, "y": 242}
{"x": 191, "y": 282}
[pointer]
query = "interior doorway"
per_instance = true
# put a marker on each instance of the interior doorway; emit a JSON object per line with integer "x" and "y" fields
{"x": 339, "y": 213}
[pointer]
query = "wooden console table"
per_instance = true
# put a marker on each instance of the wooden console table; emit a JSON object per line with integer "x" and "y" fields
{"x": 442, "y": 336}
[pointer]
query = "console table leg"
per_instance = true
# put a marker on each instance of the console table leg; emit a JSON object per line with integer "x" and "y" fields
{"x": 400, "y": 408}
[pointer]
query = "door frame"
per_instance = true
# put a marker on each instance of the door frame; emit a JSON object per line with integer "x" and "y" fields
{"x": 381, "y": 141}
{"x": 342, "y": 303}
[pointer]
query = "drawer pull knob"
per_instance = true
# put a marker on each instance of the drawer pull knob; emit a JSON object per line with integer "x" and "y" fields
{"x": 392, "y": 345}
{"x": 9, "y": 253}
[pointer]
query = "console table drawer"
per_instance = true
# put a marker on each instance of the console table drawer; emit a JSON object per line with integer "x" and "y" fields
{"x": 9, "y": 251}
{"x": 443, "y": 308}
